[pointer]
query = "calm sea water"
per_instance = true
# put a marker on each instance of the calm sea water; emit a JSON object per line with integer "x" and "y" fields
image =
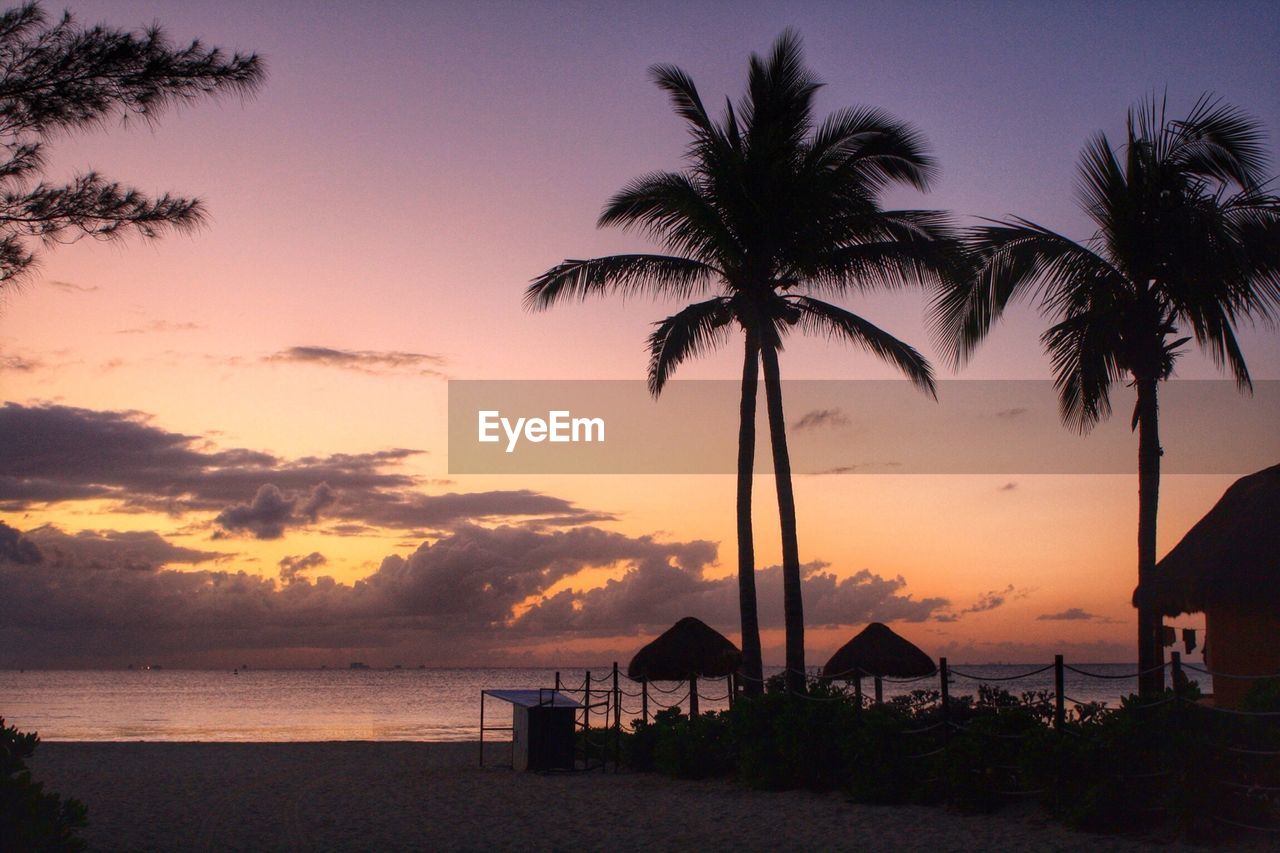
{"x": 317, "y": 705}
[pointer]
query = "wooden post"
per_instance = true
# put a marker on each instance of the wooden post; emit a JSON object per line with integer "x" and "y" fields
{"x": 617, "y": 699}
{"x": 1059, "y": 693}
{"x": 644, "y": 700}
{"x": 557, "y": 681}
{"x": 879, "y": 690}
{"x": 693, "y": 696}
{"x": 1175, "y": 668}
{"x": 482, "y": 728}
{"x": 944, "y": 677}
{"x": 586, "y": 702}
{"x": 729, "y": 688}
{"x": 857, "y": 691}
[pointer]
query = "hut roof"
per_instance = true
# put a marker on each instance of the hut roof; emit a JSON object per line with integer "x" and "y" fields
{"x": 878, "y": 651}
{"x": 688, "y": 648}
{"x": 1230, "y": 557}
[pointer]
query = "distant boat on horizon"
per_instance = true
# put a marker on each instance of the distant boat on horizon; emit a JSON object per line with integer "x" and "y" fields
{"x": 358, "y": 665}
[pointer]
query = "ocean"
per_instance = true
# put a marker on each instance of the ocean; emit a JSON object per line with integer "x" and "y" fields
{"x": 380, "y": 705}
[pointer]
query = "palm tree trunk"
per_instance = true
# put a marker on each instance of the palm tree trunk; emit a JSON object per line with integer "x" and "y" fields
{"x": 1150, "y": 644}
{"x": 793, "y": 606}
{"x": 752, "y": 665}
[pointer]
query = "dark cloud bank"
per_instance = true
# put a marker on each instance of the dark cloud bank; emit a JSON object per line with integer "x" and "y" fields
{"x": 50, "y": 454}
{"x": 495, "y": 576}
{"x": 474, "y": 595}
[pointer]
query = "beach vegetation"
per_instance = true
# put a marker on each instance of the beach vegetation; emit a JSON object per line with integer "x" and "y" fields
{"x": 1167, "y": 765}
{"x": 32, "y": 818}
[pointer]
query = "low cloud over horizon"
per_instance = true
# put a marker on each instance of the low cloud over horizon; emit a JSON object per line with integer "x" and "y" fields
{"x": 475, "y": 595}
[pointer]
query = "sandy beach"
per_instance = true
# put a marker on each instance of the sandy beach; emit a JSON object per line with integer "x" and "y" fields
{"x": 434, "y": 796}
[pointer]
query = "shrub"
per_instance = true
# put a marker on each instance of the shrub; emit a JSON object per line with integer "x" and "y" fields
{"x": 30, "y": 818}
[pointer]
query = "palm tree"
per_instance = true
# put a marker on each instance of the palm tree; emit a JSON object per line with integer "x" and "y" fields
{"x": 1187, "y": 240}
{"x": 771, "y": 213}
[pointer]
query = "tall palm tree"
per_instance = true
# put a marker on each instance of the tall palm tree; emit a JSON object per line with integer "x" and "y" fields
{"x": 772, "y": 212}
{"x": 1187, "y": 241}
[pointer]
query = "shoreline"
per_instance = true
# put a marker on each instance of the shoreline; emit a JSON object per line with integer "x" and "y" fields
{"x": 389, "y": 795}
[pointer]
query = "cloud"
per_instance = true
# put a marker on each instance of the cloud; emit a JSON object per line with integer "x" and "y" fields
{"x": 70, "y": 286}
{"x": 130, "y": 550}
{"x": 16, "y": 548}
{"x": 475, "y": 595}
{"x": 1011, "y": 414}
{"x": 271, "y": 511}
{"x": 55, "y": 454}
{"x": 861, "y": 466}
{"x": 19, "y": 364}
{"x": 291, "y": 568}
{"x": 1009, "y": 486}
{"x": 161, "y": 326}
{"x": 821, "y": 418}
{"x": 986, "y": 601}
{"x": 1071, "y": 614}
{"x": 364, "y": 361}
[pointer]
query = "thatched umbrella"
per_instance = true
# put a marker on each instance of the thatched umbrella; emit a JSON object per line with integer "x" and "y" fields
{"x": 877, "y": 651}
{"x": 688, "y": 649}
{"x": 1228, "y": 567}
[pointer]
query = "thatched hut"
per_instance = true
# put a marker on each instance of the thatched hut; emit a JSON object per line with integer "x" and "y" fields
{"x": 1228, "y": 567}
{"x": 686, "y": 651}
{"x": 878, "y": 652}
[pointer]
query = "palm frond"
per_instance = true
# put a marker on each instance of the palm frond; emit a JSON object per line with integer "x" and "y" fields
{"x": 1085, "y": 353}
{"x": 1220, "y": 141}
{"x": 1015, "y": 260}
{"x": 684, "y": 96}
{"x": 661, "y": 276}
{"x": 671, "y": 208}
{"x": 688, "y": 333}
{"x": 778, "y": 108}
{"x": 821, "y": 317}
{"x": 872, "y": 146}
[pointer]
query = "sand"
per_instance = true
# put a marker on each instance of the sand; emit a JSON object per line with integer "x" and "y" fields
{"x": 434, "y": 796}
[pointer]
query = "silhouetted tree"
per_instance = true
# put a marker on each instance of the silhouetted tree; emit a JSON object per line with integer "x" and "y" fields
{"x": 1187, "y": 240}
{"x": 58, "y": 78}
{"x": 772, "y": 212}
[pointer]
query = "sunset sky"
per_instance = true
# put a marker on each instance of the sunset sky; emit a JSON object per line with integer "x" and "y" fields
{"x": 267, "y": 395}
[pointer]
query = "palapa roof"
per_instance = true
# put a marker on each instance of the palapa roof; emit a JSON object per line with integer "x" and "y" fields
{"x": 1230, "y": 558}
{"x": 878, "y": 651}
{"x": 688, "y": 648}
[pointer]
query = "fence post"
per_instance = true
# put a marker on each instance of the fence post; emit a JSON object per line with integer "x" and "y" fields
{"x": 946, "y": 697}
{"x": 557, "y": 681}
{"x": 857, "y": 691}
{"x": 586, "y": 702}
{"x": 1059, "y": 693}
{"x": 617, "y": 699}
{"x": 879, "y": 682}
{"x": 730, "y": 687}
{"x": 693, "y": 697}
{"x": 644, "y": 700}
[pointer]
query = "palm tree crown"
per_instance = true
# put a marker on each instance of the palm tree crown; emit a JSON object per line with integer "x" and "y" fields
{"x": 774, "y": 212}
{"x": 1187, "y": 241}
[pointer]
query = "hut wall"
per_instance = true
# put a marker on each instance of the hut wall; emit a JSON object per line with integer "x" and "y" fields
{"x": 1240, "y": 643}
